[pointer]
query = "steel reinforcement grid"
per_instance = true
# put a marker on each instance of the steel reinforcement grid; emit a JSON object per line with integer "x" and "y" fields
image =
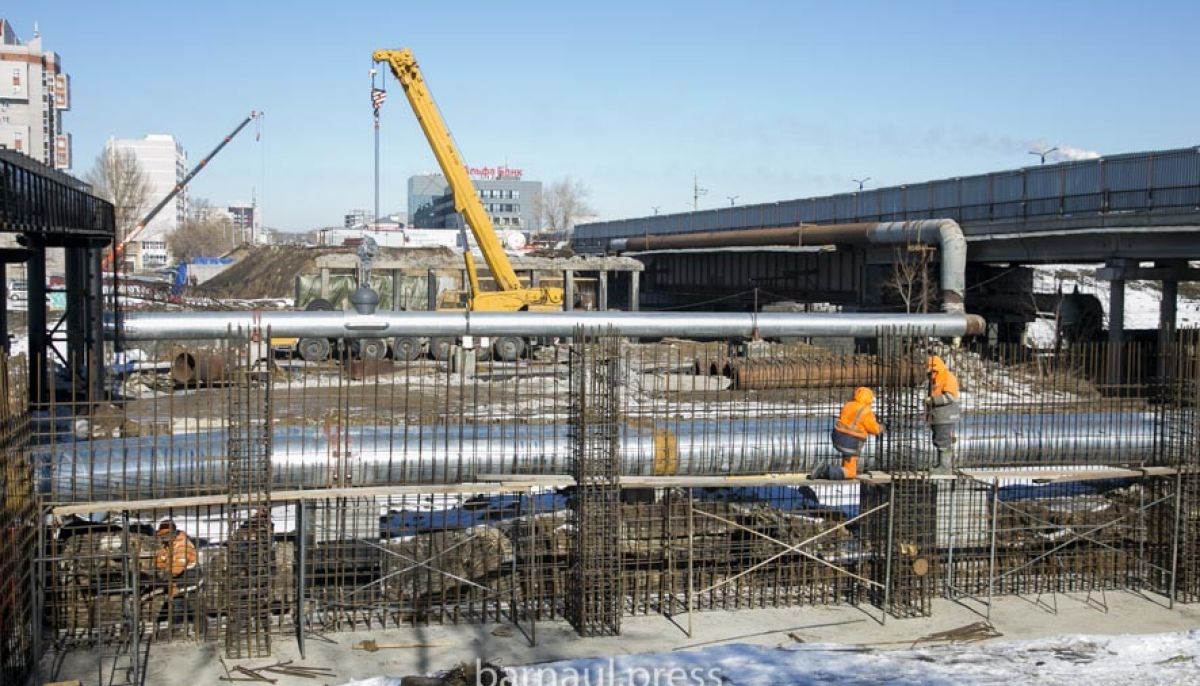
{"x": 361, "y": 493}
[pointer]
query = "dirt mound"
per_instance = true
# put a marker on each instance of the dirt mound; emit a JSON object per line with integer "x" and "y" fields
{"x": 563, "y": 252}
{"x": 264, "y": 272}
{"x": 270, "y": 272}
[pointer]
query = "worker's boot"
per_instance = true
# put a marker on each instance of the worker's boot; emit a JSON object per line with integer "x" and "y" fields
{"x": 945, "y": 462}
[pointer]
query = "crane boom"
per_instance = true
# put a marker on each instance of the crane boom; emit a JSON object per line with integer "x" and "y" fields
{"x": 513, "y": 295}
{"x": 119, "y": 249}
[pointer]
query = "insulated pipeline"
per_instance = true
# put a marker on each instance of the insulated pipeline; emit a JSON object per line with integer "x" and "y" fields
{"x": 158, "y": 466}
{"x": 140, "y": 326}
{"x": 946, "y": 234}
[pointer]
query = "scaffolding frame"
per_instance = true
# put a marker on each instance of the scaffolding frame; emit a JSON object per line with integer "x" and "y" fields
{"x": 687, "y": 530}
{"x": 1064, "y": 535}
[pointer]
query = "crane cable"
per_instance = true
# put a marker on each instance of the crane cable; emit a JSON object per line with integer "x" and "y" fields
{"x": 378, "y": 97}
{"x": 261, "y": 191}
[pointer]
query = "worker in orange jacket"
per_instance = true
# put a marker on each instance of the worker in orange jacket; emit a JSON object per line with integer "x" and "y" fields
{"x": 855, "y": 423}
{"x": 943, "y": 410}
{"x": 178, "y": 564}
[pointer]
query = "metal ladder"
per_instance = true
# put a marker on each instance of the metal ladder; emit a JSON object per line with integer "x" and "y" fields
{"x": 123, "y": 662}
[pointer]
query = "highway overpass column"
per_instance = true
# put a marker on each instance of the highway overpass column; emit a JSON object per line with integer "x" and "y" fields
{"x": 1116, "y": 329}
{"x": 633, "y": 291}
{"x": 1166, "y": 322}
{"x": 1169, "y": 306}
{"x": 568, "y": 290}
{"x": 1116, "y": 310}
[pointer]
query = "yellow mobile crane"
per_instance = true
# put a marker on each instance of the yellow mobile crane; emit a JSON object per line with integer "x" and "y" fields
{"x": 511, "y": 296}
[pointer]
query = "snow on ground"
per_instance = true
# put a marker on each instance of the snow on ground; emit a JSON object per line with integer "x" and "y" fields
{"x": 1142, "y": 299}
{"x": 1124, "y": 660}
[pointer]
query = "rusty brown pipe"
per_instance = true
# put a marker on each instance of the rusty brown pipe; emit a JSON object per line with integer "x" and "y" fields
{"x": 763, "y": 375}
{"x": 200, "y": 367}
{"x": 801, "y": 235}
{"x": 944, "y": 233}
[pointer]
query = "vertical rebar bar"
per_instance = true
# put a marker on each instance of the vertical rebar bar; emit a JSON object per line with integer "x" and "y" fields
{"x": 691, "y": 579}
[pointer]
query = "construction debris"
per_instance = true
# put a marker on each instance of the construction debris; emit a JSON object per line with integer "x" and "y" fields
{"x": 465, "y": 674}
{"x": 372, "y": 647}
{"x": 285, "y": 668}
{"x": 977, "y": 631}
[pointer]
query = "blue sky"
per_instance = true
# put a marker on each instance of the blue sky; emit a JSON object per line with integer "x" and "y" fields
{"x": 762, "y": 100}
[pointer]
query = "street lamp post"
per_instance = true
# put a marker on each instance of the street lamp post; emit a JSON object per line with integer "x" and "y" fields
{"x": 697, "y": 191}
{"x": 860, "y": 182}
{"x": 1041, "y": 154}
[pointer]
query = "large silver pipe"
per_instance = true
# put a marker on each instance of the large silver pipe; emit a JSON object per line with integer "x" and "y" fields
{"x": 946, "y": 234}
{"x": 952, "y": 251}
{"x": 138, "y": 326}
{"x": 166, "y": 466}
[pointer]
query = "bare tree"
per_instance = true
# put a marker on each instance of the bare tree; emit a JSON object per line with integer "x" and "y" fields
{"x": 564, "y": 203}
{"x": 911, "y": 276}
{"x": 206, "y": 232}
{"x": 117, "y": 176}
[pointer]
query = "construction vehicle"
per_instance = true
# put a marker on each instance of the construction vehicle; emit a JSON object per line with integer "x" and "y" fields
{"x": 112, "y": 260}
{"x": 512, "y": 295}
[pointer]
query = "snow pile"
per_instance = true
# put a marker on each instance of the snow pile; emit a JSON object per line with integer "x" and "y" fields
{"x": 1125, "y": 660}
{"x": 987, "y": 384}
{"x": 1142, "y": 299}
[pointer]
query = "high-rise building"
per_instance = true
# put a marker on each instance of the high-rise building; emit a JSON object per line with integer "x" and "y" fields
{"x": 423, "y": 191}
{"x": 510, "y": 202}
{"x": 164, "y": 163}
{"x": 34, "y": 92}
{"x": 355, "y": 218}
{"x": 245, "y": 222}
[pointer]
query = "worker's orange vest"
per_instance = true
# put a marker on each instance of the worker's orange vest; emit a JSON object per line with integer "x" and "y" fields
{"x": 852, "y": 427}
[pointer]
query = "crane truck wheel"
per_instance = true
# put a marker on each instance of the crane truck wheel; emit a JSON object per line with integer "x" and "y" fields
{"x": 405, "y": 349}
{"x": 483, "y": 353}
{"x": 316, "y": 349}
{"x": 368, "y": 348}
{"x": 440, "y": 348}
{"x": 509, "y": 348}
{"x": 313, "y": 349}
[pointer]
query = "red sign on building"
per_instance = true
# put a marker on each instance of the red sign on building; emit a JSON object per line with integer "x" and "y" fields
{"x": 495, "y": 173}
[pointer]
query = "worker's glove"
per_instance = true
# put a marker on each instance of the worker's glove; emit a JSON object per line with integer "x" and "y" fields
{"x": 928, "y": 403}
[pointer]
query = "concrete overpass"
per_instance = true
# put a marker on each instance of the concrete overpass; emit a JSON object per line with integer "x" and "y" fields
{"x": 1118, "y": 210}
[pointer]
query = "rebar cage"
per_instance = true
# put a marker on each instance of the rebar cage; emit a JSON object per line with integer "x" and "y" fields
{"x": 595, "y": 478}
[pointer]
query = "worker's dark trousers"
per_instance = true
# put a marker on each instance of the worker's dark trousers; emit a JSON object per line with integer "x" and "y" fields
{"x": 829, "y": 470}
{"x": 846, "y": 444}
{"x": 185, "y": 585}
{"x": 943, "y": 440}
{"x": 943, "y": 436}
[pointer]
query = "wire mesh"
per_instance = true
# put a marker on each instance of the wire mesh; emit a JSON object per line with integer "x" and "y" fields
{"x": 1032, "y": 511}
{"x": 594, "y": 607}
{"x": 18, "y": 525}
{"x": 250, "y": 553}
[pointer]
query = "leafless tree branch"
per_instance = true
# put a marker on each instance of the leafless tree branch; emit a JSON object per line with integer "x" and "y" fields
{"x": 205, "y": 233}
{"x": 911, "y": 275}
{"x": 117, "y": 177}
{"x": 563, "y": 204}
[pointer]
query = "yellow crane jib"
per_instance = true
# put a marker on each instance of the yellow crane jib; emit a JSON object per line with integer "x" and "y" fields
{"x": 511, "y": 296}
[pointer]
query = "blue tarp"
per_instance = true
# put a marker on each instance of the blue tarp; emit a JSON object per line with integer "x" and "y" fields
{"x": 1064, "y": 489}
{"x": 783, "y": 498}
{"x": 181, "y": 271}
{"x": 476, "y": 511}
